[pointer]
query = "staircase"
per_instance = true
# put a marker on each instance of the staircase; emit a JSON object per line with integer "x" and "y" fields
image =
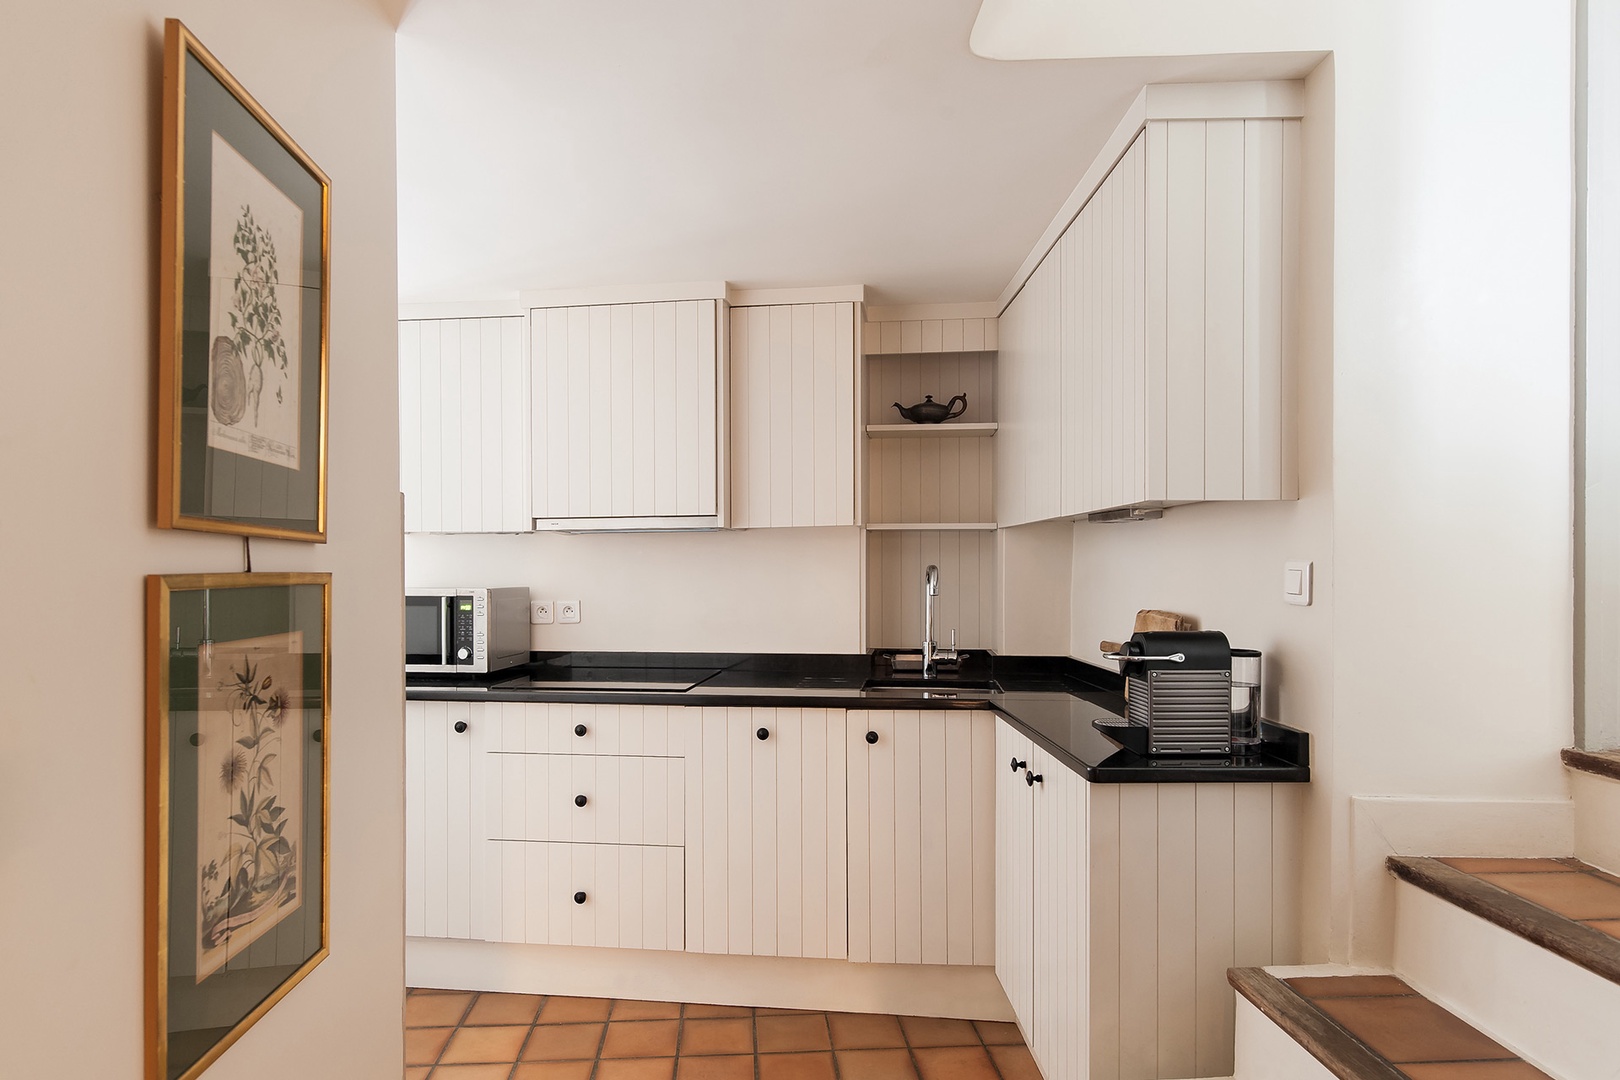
{"x": 1504, "y": 969}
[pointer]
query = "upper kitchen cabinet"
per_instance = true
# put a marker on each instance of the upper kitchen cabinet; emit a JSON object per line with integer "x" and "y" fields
{"x": 1145, "y": 361}
{"x": 463, "y": 425}
{"x": 793, "y": 415}
{"x": 627, "y": 414}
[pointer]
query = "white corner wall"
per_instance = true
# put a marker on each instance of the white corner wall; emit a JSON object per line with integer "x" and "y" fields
{"x": 1450, "y": 591}
{"x": 81, "y": 83}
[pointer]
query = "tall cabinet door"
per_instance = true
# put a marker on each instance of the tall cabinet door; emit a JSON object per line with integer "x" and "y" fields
{"x": 922, "y": 837}
{"x": 444, "y": 822}
{"x": 1015, "y": 859}
{"x": 765, "y": 837}
{"x": 793, "y": 415}
{"x": 463, "y": 425}
{"x": 625, "y": 411}
{"x": 1060, "y": 1035}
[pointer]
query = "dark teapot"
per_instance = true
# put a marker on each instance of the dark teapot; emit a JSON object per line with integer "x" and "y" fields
{"x": 929, "y": 411}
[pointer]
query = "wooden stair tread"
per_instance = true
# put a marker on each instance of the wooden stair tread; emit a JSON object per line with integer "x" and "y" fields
{"x": 1376, "y": 1027}
{"x": 1597, "y": 762}
{"x": 1563, "y": 905}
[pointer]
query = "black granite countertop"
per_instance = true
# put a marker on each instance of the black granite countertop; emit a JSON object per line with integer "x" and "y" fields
{"x": 1050, "y": 699}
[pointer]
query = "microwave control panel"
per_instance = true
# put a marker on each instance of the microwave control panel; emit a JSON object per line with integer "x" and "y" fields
{"x": 469, "y": 615}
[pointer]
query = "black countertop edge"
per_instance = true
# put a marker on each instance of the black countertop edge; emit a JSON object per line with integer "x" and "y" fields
{"x": 1050, "y": 699}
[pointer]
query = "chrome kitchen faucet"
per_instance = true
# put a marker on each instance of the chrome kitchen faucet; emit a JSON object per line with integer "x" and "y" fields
{"x": 932, "y": 655}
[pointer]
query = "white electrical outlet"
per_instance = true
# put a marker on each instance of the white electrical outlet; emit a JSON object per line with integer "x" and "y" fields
{"x": 540, "y": 612}
{"x": 568, "y": 611}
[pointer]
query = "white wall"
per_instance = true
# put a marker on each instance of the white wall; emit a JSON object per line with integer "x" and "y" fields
{"x": 78, "y": 212}
{"x": 753, "y": 590}
{"x": 1450, "y": 586}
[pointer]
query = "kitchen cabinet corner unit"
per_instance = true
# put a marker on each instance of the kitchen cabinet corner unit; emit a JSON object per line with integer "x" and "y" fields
{"x": 1145, "y": 362}
{"x": 628, "y": 417}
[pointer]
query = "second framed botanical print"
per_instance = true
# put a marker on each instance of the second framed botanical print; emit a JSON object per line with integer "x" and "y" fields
{"x": 244, "y": 311}
{"x": 238, "y": 670}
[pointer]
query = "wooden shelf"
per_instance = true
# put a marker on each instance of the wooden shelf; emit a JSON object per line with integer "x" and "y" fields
{"x": 947, "y": 430}
{"x": 930, "y": 526}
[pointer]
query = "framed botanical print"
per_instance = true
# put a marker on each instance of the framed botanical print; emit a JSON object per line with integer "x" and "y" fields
{"x": 243, "y": 316}
{"x": 238, "y": 676}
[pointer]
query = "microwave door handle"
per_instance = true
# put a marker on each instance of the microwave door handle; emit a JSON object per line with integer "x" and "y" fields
{"x": 447, "y": 613}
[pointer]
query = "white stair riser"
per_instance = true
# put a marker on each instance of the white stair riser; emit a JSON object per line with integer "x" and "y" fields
{"x": 1267, "y": 1052}
{"x": 1558, "y": 1016}
{"x": 1597, "y": 820}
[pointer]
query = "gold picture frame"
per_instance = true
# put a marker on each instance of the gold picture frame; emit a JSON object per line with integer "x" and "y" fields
{"x": 244, "y": 310}
{"x": 238, "y": 833}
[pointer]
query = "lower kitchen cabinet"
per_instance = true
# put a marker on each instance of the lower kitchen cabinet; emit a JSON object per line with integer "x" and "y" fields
{"x": 766, "y": 852}
{"x": 444, "y": 824}
{"x": 626, "y": 896}
{"x": 921, "y": 836}
{"x": 1120, "y": 907}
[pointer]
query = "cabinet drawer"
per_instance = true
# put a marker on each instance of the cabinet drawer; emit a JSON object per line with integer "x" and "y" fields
{"x": 627, "y": 800}
{"x": 622, "y": 896}
{"x": 560, "y": 728}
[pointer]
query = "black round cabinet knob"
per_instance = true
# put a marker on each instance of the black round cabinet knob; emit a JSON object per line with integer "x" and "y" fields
{"x": 194, "y": 740}
{"x": 580, "y": 800}
{"x": 579, "y": 898}
{"x": 1033, "y": 778}
{"x": 763, "y": 733}
{"x": 1016, "y": 764}
{"x": 461, "y": 727}
{"x": 579, "y": 729}
{"x": 871, "y": 738}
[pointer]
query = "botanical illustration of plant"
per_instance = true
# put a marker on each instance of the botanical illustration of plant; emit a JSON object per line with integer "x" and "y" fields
{"x": 255, "y": 314}
{"x": 260, "y": 867}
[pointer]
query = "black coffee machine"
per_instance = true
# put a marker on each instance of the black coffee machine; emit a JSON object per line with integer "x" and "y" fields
{"x": 1179, "y": 692}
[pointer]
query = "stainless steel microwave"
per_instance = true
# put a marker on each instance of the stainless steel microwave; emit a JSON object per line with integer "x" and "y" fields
{"x": 466, "y": 631}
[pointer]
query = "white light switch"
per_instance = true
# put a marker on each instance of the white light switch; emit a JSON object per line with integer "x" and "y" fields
{"x": 1297, "y": 583}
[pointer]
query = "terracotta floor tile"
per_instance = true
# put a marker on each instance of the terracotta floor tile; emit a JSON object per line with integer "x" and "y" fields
{"x": 865, "y": 1031}
{"x": 504, "y": 1009}
{"x": 733, "y": 1067}
{"x": 574, "y": 1010}
{"x": 473, "y": 1045}
{"x": 999, "y": 1033}
{"x": 717, "y": 1036}
{"x": 418, "y": 1072}
{"x": 1411, "y": 1029}
{"x": 1475, "y": 1070}
{"x": 806, "y": 1031}
{"x": 646, "y": 1010}
{"x": 435, "y": 1010}
{"x": 1015, "y": 1062}
{"x": 1608, "y": 926}
{"x": 938, "y": 1031}
{"x": 422, "y": 1045}
{"x": 796, "y": 1066}
{"x": 553, "y": 1070}
{"x": 473, "y": 1072}
{"x": 636, "y": 1069}
{"x": 640, "y": 1039}
{"x": 711, "y": 1011}
{"x": 1330, "y": 986}
{"x": 876, "y": 1065}
{"x": 955, "y": 1063}
{"x": 1507, "y": 866}
{"x": 1572, "y": 895}
{"x": 563, "y": 1042}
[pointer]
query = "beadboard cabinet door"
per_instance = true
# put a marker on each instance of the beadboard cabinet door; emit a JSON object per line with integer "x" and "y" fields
{"x": 444, "y": 822}
{"x": 464, "y": 425}
{"x": 922, "y": 843}
{"x": 1015, "y": 873}
{"x": 1029, "y": 382}
{"x": 765, "y": 833}
{"x": 1060, "y": 973}
{"x": 793, "y": 419}
{"x": 626, "y": 415}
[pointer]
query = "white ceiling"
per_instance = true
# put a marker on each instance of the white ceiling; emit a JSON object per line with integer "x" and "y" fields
{"x": 551, "y": 144}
